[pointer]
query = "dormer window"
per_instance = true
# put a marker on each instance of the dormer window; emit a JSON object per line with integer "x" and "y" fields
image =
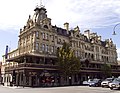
{"x": 45, "y": 26}
{"x": 77, "y": 36}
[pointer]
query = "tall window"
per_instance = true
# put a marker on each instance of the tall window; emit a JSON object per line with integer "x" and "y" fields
{"x": 79, "y": 45}
{"x": 43, "y": 47}
{"x": 46, "y": 36}
{"x": 37, "y": 46}
{"x": 59, "y": 41}
{"x": 52, "y": 38}
{"x": 46, "y": 49}
{"x": 63, "y": 41}
{"x": 76, "y": 53}
{"x": 43, "y": 35}
{"x": 52, "y": 49}
{"x": 37, "y": 34}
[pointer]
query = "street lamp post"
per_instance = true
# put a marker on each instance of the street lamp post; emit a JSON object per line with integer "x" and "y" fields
{"x": 88, "y": 77}
{"x": 114, "y": 32}
{"x": 70, "y": 80}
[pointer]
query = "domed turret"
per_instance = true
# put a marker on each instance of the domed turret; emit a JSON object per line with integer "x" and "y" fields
{"x": 39, "y": 15}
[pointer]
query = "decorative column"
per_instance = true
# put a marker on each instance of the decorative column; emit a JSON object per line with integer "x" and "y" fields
{"x": 24, "y": 77}
{"x": 17, "y": 79}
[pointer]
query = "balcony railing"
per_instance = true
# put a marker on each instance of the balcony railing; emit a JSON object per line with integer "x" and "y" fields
{"x": 50, "y": 67}
{"x": 90, "y": 69}
{"x": 31, "y": 65}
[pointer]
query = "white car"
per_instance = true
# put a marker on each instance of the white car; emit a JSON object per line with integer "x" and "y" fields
{"x": 87, "y": 82}
{"x": 105, "y": 83}
{"x": 115, "y": 83}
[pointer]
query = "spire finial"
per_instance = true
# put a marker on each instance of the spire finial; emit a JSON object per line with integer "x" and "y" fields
{"x": 40, "y": 2}
{"x": 39, "y": 5}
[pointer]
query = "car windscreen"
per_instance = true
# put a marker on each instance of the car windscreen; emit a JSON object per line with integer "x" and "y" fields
{"x": 94, "y": 81}
{"x": 116, "y": 80}
{"x": 108, "y": 79}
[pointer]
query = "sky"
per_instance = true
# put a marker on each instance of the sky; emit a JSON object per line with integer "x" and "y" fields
{"x": 100, "y": 16}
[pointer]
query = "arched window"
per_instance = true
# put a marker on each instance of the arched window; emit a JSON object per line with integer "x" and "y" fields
{"x": 85, "y": 55}
{"x": 45, "y": 26}
{"x": 92, "y": 56}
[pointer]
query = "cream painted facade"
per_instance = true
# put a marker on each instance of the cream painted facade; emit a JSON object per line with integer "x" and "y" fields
{"x": 6, "y": 78}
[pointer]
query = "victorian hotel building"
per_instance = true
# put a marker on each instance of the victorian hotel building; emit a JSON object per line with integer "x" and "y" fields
{"x": 33, "y": 63}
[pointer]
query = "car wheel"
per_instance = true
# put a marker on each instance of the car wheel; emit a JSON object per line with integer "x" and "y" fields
{"x": 89, "y": 85}
{"x": 111, "y": 88}
{"x": 102, "y": 86}
{"x": 96, "y": 85}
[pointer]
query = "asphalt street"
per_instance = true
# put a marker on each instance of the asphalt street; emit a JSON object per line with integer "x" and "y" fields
{"x": 71, "y": 89}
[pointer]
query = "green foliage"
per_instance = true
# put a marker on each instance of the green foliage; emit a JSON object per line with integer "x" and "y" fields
{"x": 106, "y": 69}
{"x": 67, "y": 62}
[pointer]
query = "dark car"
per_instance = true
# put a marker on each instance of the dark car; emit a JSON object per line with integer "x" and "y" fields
{"x": 95, "y": 83}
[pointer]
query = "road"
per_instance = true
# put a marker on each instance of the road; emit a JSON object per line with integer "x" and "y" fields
{"x": 71, "y": 89}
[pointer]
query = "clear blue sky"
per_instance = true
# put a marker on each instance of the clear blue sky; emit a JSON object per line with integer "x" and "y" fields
{"x": 97, "y": 15}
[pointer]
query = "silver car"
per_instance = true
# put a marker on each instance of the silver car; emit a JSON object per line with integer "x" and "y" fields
{"x": 115, "y": 84}
{"x": 105, "y": 83}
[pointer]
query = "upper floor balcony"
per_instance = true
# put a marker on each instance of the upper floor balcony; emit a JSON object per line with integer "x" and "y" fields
{"x": 31, "y": 66}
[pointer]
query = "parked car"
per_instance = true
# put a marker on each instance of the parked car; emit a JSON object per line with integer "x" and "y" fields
{"x": 115, "y": 84}
{"x": 105, "y": 83}
{"x": 86, "y": 82}
{"x": 95, "y": 83}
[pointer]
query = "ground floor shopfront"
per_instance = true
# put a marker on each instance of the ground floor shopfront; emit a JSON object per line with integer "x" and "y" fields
{"x": 48, "y": 76}
{"x": 32, "y": 76}
{"x": 33, "y": 71}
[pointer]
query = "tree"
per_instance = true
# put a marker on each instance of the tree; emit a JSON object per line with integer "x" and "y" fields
{"x": 67, "y": 62}
{"x": 106, "y": 70}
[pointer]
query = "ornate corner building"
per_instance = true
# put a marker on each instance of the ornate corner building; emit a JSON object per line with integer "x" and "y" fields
{"x": 33, "y": 63}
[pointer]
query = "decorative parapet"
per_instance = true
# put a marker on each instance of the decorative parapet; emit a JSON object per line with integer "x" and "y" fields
{"x": 13, "y": 54}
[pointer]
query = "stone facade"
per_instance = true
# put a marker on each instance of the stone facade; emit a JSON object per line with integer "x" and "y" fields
{"x": 35, "y": 58}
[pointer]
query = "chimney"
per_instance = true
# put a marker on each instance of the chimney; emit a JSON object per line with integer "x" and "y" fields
{"x": 66, "y": 26}
{"x": 87, "y": 33}
{"x": 110, "y": 40}
{"x": 92, "y": 35}
{"x": 99, "y": 38}
{"x": 77, "y": 29}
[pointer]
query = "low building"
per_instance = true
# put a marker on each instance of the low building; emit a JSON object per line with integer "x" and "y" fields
{"x": 33, "y": 63}
{"x": 0, "y": 72}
